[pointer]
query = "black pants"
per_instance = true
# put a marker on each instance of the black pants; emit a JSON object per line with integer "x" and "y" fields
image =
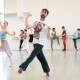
{"x": 39, "y": 53}
{"x": 74, "y": 40}
{"x": 21, "y": 41}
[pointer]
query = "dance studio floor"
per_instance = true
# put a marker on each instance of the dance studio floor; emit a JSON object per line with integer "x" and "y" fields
{"x": 63, "y": 65}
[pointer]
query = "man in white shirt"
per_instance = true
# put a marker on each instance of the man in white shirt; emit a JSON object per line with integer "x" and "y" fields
{"x": 41, "y": 30}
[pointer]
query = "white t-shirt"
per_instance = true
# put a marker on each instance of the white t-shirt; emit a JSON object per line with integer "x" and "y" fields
{"x": 40, "y": 31}
{"x": 52, "y": 33}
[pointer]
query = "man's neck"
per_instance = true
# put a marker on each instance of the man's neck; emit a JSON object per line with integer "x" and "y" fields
{"x": 42, "y": 19}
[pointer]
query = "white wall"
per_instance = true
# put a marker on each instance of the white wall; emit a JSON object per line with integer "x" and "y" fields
{"x": 15, "y": 23}
{"x": 62, "y": 12}
{"x": 10, "y": 6}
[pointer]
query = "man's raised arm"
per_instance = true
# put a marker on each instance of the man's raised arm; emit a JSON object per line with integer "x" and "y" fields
{"x": 27, "y": 26}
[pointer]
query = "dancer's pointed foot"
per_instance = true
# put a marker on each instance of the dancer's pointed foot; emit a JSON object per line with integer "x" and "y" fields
{"x": 47, "y": 74}
{"x": 11, "y": 63}
{"x": 20, "y": 70}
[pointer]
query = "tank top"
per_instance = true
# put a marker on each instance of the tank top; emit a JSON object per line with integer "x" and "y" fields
{"x": 3, "y": 35}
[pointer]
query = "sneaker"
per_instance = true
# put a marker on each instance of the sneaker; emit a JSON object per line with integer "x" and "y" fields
{"x": 64, "y": 50}
{"x": 52, "y": 49}
{"x": 76, "y": 49}
{"x": 47, "y": 74}
{"x": 20, "y": 70}
{"x": 19, "y": 49}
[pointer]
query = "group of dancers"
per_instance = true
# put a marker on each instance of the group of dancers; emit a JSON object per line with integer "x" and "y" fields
{"x": 41, "y": 31}
{"x": 26, "y": 37}
{"x": 76, "y": 36}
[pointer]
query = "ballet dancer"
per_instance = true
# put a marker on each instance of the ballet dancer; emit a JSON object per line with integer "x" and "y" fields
{"x": 41, "y": 30}
{"x": 53, "y": 37}
{"x": 4, "y": 43}
{"x": 25, "y": 40}
{"x": 75, "y": 37}
{"x": 31, "y": 40}
{"x": 64, "y": 38}
{"x": 21, "y": 36}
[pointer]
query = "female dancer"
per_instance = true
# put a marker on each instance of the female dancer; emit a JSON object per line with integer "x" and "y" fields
{"x": 4, "y": 43}
{"x": 21, "y": 39}
{"x": 25, "y": 41}
{"x": 64, "y": 38}
{"x": 31, "y": 39}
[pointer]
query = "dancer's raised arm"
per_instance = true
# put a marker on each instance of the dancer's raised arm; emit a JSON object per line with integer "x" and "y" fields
{"x": 0, "y": 23}
{"x": 26, "y": 21}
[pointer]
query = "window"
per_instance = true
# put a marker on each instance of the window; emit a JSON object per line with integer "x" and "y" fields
{"x": 2, "y": 10}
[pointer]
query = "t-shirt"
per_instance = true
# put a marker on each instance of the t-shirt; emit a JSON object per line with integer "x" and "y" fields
{"x": 75, "y": 35}
{"x": 25, "y": 35}
{"x": 53, "y": 34}
{"x": 40, "y": 30}
{"x": 21, "y": 36}
{"x": 64, "y": 33}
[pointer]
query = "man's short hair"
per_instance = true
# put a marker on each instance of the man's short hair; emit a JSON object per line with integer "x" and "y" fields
{"x": 25, "y": 30}
{"x": 78, "y": 29}
{"x": 63, "y": 27}
{"x": 53, "y": 28}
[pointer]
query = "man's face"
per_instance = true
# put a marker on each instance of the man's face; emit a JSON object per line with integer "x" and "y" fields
{"x": 43, "y": 14}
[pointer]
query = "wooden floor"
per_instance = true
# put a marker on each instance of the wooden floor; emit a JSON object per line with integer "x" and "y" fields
{"x": 63, "y": 66}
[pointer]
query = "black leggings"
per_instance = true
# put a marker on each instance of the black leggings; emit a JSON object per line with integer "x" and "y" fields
{"x": 21, "y": 41}
{"x": 31, "y": 38}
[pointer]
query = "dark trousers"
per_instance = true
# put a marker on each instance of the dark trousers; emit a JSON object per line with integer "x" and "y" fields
{"x": 74, "y": 40}
{"x": 21, "y": 41}
{"x": 40, "y": 56}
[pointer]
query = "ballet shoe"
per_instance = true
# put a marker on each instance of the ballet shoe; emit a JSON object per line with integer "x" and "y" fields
{"x": 20, "y": 70}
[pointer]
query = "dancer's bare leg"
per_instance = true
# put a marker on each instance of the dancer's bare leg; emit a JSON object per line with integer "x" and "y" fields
{"x": 11, "y": 62}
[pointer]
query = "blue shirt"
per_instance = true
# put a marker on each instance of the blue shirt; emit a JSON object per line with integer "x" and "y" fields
{"x": 25, "y": 35}
{"x": 75, "y": 35}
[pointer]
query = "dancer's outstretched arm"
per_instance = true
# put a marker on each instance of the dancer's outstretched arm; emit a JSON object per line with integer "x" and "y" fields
{"x": 48, "y": 32}
{"x": 1, "y": 23}
{"x": 11, "y": 34}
